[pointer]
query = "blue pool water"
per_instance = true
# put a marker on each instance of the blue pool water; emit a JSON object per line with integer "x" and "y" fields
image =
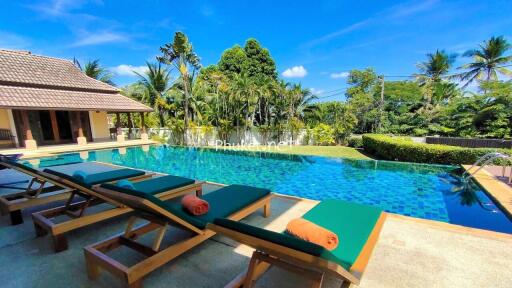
{"x": 418, "y": 190}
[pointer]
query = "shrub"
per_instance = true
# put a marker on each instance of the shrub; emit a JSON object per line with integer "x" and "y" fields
{"x": 323, "y": 134}
{"x": 398, "y": 148}
{"x": 355, "y": 142}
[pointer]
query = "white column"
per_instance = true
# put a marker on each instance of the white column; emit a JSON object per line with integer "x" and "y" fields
{"x": 91, "y": 124}
{"x": 13, "y": 127}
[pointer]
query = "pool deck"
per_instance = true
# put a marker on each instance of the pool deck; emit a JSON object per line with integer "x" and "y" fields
{"x": 410, "y": 253}
{"x": 44, "y": 151}
{"x": 496, "y": 187}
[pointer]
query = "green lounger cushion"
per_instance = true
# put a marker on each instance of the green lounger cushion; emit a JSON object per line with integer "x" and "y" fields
{"x": 353, "y": 223}
{"x": 98, "y": 178}
{"x": 154, "y": 185}
{"x": 223, "y": 202}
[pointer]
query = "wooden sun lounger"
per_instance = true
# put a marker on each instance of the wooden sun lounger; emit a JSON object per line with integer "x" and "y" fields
{"x": 40, "y": 190}
{"x": 159, "y": 218}
{"x": 76, "y": 212}
{"x": 274, "y": 248}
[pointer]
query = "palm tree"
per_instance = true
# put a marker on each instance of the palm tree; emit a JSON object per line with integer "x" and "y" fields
{"x": 437, "y": 65}
{"x": 156, "y": 81}
{"x": 180, "y": 54}
{"x": 300, "y": 98}
{"x": 488, "y": 61}
{"x": 431, "y": 75}
{"x": 94, "y": 70}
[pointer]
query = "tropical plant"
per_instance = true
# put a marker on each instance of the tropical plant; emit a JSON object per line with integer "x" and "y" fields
{"x": 489, "y": 60}
{"x": 156, "y": 82}
{"x": 181, "y": 55}
{"x": 94, "y": 70}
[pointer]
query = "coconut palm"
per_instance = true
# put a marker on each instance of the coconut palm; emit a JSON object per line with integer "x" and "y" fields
{"x": 431, "y": 75}
{"x": 94, "y": 70}
{"x": 180, "y": 54}
{"x": 157, "y": 82}
{"x": 437, "y": 65}
{"x": 488, "y": 60}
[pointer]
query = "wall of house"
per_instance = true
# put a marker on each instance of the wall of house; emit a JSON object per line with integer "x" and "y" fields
{"x": 99, "y": 125}
{"x": 4, "y": 119}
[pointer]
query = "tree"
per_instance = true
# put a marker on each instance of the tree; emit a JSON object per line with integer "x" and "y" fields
{"x": 361, "y": 96}
{"x": 437, "y": 65}
{"x": 259, "y": 63}
{"x": 488, "y": 61}
{"x": 434, "y": 87}
{"x": 156, "y": 81}
{"x": 181, "y": 54}
{"x": 94, "y": 70}
{"x": 232, "y": 61}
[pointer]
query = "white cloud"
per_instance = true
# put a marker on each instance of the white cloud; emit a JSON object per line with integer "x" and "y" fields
{"x": 97, "y": 38}
{"x": 339, "y": 75}
{"x": 207, "y": 10}
{"x": 62, "y": 8}
{"x": 317, "y": 92}
{"x": 128, "y": 70}
{"x": 295, "y": 72}
{"x": 393, "y": 13}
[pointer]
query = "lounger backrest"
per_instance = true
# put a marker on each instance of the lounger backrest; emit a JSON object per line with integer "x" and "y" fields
{"x": 148, "y": 203}
{"x": 32, "y": 172}
{"x": 98, "y": 178}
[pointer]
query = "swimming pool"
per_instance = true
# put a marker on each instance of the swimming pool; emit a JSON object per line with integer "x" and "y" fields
{"x": 424, "y": 191}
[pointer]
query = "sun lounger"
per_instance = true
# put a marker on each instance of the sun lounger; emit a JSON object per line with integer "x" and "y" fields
{"x": 23, "y": 187}
{"x": 77, "y": 212}
{"x": 233, "y": 202}
{"x": 357, "y": 226}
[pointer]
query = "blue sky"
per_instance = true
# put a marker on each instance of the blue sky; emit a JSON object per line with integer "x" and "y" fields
{"x": 313, "y": 42}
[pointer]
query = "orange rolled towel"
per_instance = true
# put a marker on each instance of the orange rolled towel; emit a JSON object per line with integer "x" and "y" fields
{"x": 196, "y": 206}
{"x": 308, "y": 231}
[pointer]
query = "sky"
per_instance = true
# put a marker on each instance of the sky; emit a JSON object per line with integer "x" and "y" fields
{"x": 314, "y": 43}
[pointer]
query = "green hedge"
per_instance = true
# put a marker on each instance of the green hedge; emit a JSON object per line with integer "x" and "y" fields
{"x": 355, "y": 142}
{"x": 403, "y": 149}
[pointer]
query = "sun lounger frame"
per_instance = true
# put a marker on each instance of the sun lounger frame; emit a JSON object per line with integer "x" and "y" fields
{"x": 13, "y": 203}
{"x": 44, "y": 224}
{"x": 96, "y": 254}
{"x": 313, "y": 267}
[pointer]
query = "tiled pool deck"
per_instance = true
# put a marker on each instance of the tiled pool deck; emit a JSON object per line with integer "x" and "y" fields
{"x": 44, "y": 151}
{"x": 410, "y": 253}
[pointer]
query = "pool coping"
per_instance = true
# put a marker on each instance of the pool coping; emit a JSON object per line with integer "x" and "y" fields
{"x": 500, "y": 192}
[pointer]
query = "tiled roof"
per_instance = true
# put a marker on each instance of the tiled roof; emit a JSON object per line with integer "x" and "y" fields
{"x": 40, "y": 82}
{"x": 50, "y": 99}
{"x": 24, "y": 68}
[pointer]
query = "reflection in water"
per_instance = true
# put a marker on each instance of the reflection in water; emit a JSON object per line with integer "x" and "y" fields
{"x": 467, "y": 194}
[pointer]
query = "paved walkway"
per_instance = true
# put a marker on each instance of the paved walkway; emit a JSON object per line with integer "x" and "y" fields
{"x": 410, "y": 253}
{"x": 43, "y": 151}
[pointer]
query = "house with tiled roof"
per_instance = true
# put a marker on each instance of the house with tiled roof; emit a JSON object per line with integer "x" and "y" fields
{"x": 46, "y": 100}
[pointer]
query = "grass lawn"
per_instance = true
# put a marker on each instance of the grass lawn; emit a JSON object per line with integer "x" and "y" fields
{"x": 327, "y": 151}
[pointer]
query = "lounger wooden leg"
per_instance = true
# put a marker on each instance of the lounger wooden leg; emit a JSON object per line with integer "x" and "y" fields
{"x": 60, "y": 242}
{"x": 317, "y": 283}
{"x": 199, "y": 192}
{"x": 249, "y": 277}
{"x": 266, "y": 210}
{"x": 345, "y": 284}
{"x": 136, "y": 284}
{"x": 40, "y": 231}
{"x": 93, "y": 270}
{"x": 16, "y": 217}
